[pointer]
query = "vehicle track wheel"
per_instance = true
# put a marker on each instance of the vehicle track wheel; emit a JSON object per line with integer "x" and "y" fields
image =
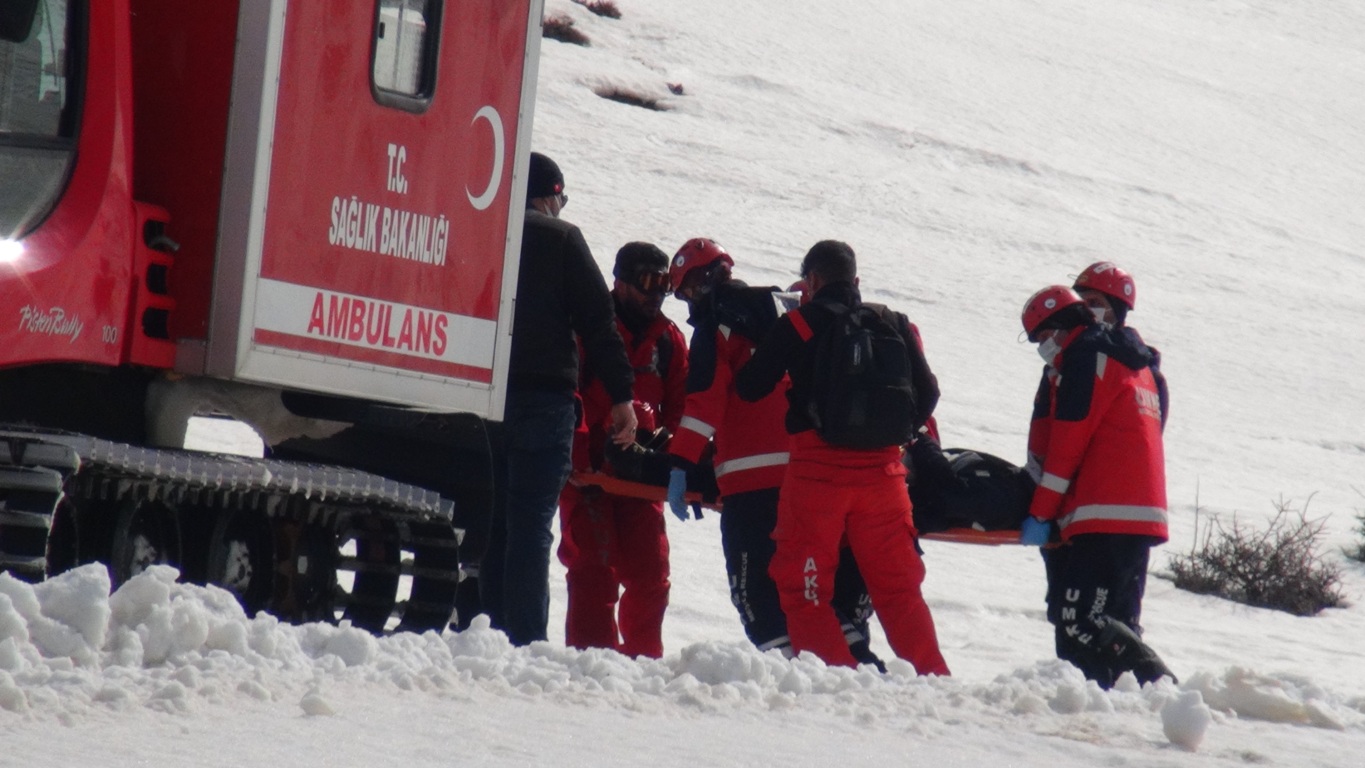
{"x": 377, "y": 567}
{"x": 146, "y": 534}
{"x": 242, "y": 558}
{"x": 305, "y": 571}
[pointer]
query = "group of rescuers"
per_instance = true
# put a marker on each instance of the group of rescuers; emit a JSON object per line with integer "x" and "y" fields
{"x": 815, "y": 536}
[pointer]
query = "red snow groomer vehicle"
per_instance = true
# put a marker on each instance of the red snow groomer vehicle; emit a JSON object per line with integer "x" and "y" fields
{"x": 303, "y": 214}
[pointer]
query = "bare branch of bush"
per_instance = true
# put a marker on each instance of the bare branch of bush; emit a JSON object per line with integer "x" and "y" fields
{"x": 604, "y": 8}
{"x": 1278, "y": 567}
{"x": 559, "y": 26}
{"x": 1357, "y": 551}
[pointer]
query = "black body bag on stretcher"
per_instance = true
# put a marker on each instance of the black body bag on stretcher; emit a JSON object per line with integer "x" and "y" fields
{"x": 959, "y": 488}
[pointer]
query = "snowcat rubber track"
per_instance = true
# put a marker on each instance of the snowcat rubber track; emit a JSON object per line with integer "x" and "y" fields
{"x": 277, "y": 534}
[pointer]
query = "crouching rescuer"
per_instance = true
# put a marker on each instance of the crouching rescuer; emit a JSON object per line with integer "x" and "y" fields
{"x": 1095, "y": 450}
{"x": 860, "y": 388}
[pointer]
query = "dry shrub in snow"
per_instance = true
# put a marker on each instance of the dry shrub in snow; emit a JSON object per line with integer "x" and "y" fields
{"x": 559, "y": 26}
{"x": 631, "y": 96}
{"x": 604, "y": 8}
{"x": 1278, "y": 567}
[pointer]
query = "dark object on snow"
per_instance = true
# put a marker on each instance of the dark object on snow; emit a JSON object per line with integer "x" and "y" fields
{"x": 959, "y": 488}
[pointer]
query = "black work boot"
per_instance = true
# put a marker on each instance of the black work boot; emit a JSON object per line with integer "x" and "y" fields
{"x": 862, "y": 653}
{"x": 1124, "y": 651}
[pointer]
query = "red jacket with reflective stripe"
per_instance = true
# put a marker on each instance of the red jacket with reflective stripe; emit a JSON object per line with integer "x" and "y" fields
{"x": 750, "y": 441}
{"x": 1098, "y": 441}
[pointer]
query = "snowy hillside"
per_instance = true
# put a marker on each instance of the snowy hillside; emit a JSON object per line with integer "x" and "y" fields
{"x": 971, "y": 153}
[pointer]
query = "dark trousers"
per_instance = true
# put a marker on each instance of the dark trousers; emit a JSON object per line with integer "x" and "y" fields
{"x": 1094, "y": 579}
{"x": 746, "y": 527}
{"x": 514, "y": 578}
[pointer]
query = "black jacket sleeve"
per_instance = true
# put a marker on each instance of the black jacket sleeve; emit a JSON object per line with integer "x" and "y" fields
{"x": 774, "y": 356}
{"x": 921, "y": 375}
{"x": 593, "y": 317}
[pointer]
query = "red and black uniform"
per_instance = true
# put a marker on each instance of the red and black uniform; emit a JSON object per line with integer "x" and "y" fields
{"x": 1096, "y": 450}
{"x": 615, "y": 547}
{"x": 830, "y": 493}
{"x": 750, "y": 446}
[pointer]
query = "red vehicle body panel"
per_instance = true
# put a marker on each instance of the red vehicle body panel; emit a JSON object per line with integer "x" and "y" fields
{"x": 69, "y": 297}
{"x": 183, "y": 63}
{"x": 327, "y": 242}
{"x": 375, "y": 247}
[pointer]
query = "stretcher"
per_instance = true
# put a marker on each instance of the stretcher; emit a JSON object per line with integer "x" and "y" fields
{"x": 618, "y": 487}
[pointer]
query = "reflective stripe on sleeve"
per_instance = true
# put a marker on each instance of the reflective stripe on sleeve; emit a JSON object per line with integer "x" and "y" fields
{"x": 698, "y": 426}
{"x": 752, "y": 462}
{"x": 1054, "y": 483}
{"x": 1127, "y": 513}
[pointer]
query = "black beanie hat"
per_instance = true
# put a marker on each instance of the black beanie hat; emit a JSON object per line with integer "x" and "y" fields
{"x": 544, "y": 178}
{"x": 637, "y": 257}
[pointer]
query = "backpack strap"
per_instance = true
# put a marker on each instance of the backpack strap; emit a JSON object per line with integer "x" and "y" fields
{"x": 802, "y": 327}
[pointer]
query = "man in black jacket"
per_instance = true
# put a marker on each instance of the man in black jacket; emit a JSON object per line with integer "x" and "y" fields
{"x": 560, "y": 293}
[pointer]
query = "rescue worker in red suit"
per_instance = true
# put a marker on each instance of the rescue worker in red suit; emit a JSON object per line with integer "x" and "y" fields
{"x": 1096, "y": 453}
{"x": 615, "y": 547}
{"x": 751, "y": 447}
{"x": 830, "y": 492}
{"x": 1111, "y": 293}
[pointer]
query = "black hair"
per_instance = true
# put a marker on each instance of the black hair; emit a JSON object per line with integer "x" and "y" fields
{"x": 832, "y": 260}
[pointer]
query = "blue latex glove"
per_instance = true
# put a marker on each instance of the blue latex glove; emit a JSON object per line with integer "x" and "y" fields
{"x": 1034, "y": 532}
{"x": 677, "y": 487}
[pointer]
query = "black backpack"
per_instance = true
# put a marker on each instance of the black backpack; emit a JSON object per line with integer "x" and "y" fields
{"x": 862, "y": 393}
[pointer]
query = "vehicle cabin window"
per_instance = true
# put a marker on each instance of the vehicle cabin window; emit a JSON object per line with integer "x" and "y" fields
{"x": 37, "y": 115}
{"x": 406, "y": 43}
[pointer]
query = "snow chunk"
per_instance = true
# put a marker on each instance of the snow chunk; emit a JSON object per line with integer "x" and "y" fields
{"x": 1266, "y": 697}
{"x": 12, "y": 697}
{"x": 74, "y": 618}
{"x": 168, "y": 618}
{"x": 314, "y": 704}
{"x": 1185, "y": 719}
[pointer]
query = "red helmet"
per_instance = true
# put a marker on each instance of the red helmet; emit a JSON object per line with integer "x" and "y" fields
{"x": 697, "y": 253}
{"x": 1109, "y": 280}
{"x": 1046, "y": 304}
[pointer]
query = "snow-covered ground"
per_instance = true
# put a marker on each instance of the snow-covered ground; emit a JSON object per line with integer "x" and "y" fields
{"x": 971, "y": 152}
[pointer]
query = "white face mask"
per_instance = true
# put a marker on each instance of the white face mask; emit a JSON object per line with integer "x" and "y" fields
{"x": 1100, "y": 315}
{"x": 1049, "y": 349}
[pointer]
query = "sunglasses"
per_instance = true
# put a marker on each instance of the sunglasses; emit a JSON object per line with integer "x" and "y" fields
{"x": 651, "y": 282}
